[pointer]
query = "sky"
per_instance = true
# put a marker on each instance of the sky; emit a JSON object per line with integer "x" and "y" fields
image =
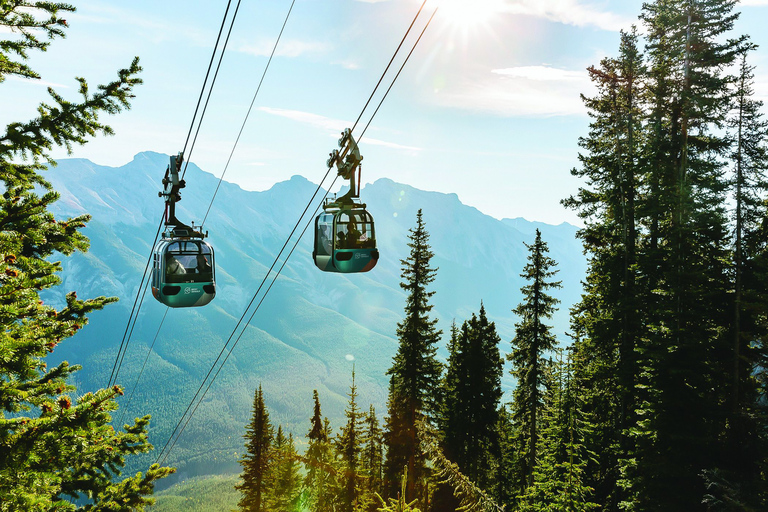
{"x": 487, "y": 107}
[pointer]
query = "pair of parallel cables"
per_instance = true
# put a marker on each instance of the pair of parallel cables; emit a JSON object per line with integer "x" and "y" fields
{"x": 203, "y": 389}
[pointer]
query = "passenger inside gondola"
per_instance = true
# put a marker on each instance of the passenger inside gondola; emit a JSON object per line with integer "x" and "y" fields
{"x": 353, "y": 235}
{"x": 203, "y": 267}
{"x": 173, "y": 267}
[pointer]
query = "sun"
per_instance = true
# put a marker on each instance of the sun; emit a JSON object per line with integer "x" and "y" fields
{"x": 469, "y": 13}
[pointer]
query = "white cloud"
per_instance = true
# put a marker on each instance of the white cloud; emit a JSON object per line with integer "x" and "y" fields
{"x": 541, "y": 73}
{"x": 538, "y": 91}
{"x": 331, "y": 125}
{"x": 95, "y": 12}
{"x": 286, "y": 48}
{"x": 753, "y": 2}
{"x": 348, "y": 64}
{"x": 570, "y": 12}
{"x": 35, "y": 81}
{"x": 377, "y": 142}
{"x": 156, "y": 30}
{"x": 318, "y": 121}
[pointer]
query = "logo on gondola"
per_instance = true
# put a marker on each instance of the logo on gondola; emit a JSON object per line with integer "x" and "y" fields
{"x": 189, "y": 289}
{"x": 358, "y": 255}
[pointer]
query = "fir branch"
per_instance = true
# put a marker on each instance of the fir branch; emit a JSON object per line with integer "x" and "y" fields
{"x": 28, "y": 19}
{"x": 473, "y": 499}
{"x": 67, "y": 123}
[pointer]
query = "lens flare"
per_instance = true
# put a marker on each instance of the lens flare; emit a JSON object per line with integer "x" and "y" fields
{"x": 469, "y": 13}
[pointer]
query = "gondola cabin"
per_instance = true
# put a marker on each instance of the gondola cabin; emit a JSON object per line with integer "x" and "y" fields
{"x": 345, "y": 241}
{"x": 183, "y": 272}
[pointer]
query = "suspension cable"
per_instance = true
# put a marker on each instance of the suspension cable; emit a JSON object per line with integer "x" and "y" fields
{"x": 138, "y": 377}
{"x": 397, "y": 75}
{"x": 266, "y": 276}
{"x": 388, "y": 65}
{"x": 132, "y": 317}
{"x": 161, "y": 459}
{"x": 238, "y": 136}
{"x": 185, "y": 419}
{"x": 205, "y": 81}
{"x": 188, "y": 156}
{"x": 242, "y": 127}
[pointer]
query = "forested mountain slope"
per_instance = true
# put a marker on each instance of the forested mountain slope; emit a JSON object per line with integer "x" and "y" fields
{"x": 311, "y": 326}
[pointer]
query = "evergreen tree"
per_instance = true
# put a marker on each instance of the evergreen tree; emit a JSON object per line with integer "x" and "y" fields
{"x": 453, "y": 435}
{"x": 472, "y": 386}
{"x": 320, "y": 482}
{"x": 608, "y": 320}
{"x": 257, "y": 458}
{"x": 468, "y": 496}
{"x": 680, "y": 380}
{"x": 746, "y": 441}
{"x": 53, "y": 446}
{"x": 348, "y": 445}
{"x": 282, "y": 492}
{"x": 559, "y": 475}
{"x": 532, "y": 340}
{"x": 372, "y": 457}
{"x": 660, "y": 331}
{"x": 415, "y": 372}
{"x": 504, "y": 477}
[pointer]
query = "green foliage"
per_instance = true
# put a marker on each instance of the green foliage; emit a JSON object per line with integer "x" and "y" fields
{"x": 203, "y": 494}
{"x": 532, "y": 340}
{"x": 399, "y": 504}
{"x": 472, "y": 394}
{"x": 750, "y": 163}
{"x": 471, "y": 497}
{"x": 667, "y": 336}
{"x": 372, "y": 457}
{"x": 283, "y": 477}
{"x": 257, "y": 458}
{"x": 321, "y": 481}
{"x": 560, "y": 471}
{"x": 348, "y": 446}
{"x": 28, "y": 19}
{"x": 415, "y": 371}
{"x": 54, "y": 446}
{"x": 608, "y": 322}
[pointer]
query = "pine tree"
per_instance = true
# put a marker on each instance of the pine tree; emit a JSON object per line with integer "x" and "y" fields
{"x": 54, "y": 446}
{"x": 532, "y": 340}
{"x": 415, "y": 372}
{"x": 372, "y": 458}
{"x": 320, "y": 482}
{"x": 472, "y": 386}
{"x": 257, "y": 458}
{"x": 746, "y": 442}
{"x": 282, "y": 489}
{"x": 504, "y": 477}
{"x": 680, "y": 380}
{"x": 658, "y": 329}
{"x": 348, "y": 445}
{"x": 609, "y": 319}
{"x": 560, "y": 473}
{"x": 454, "y": 436}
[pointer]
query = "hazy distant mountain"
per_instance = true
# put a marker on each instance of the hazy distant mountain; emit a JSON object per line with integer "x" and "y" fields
{"x": 310, "y": 327}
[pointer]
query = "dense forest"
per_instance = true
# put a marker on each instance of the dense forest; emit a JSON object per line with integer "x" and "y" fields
{"x": 658, "y": 402}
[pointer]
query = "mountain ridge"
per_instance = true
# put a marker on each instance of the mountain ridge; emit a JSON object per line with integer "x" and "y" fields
{"x": 312, "y": 325}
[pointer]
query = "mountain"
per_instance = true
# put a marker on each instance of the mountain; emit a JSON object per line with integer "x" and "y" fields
{"x": 311, "y": 326}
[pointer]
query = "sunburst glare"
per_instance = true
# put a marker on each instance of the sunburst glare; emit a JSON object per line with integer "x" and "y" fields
{"x": 469, "y": 13}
